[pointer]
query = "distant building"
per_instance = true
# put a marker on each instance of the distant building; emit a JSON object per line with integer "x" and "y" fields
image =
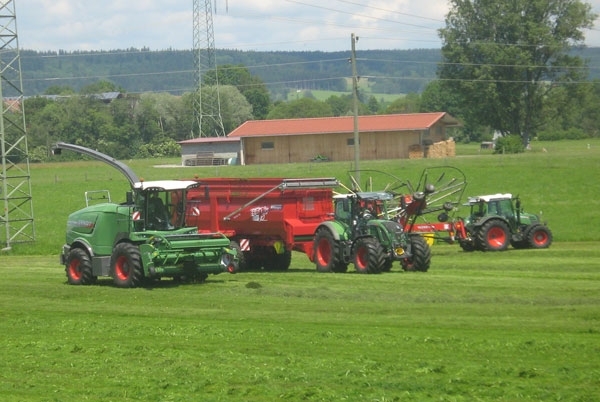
{"x": 210, "y": 151}
{"x": 396, "y": 136}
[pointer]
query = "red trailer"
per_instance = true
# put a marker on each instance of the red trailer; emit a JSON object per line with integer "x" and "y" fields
{"x": 266, "y": 218}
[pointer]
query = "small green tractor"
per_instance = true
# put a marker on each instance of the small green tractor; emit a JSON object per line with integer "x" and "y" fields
{"x": 497, "y": 220}
{"x": 363, "y": 232}
{"x": 144, "y": 238}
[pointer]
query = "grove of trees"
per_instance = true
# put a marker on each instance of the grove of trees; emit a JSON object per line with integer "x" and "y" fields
{"x": 509, "y": 68}
{"x": 506, "y": 63}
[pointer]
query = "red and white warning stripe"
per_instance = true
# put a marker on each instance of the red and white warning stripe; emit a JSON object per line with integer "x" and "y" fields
{"x": 244, "y": 244}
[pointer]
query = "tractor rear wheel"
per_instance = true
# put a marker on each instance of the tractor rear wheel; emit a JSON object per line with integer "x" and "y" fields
{"x": 494, "y": 235}
{"x": 368, "y": 256}
{"x": 126, "y": 265}
{"x": 79, "y": 268}
{"x": 420, "y": 258}
{"x": 327, "y": 252}
{"x": 539, "y": 236}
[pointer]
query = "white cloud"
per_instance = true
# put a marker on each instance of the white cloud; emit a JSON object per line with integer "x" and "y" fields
{"x": 240, "y": 24}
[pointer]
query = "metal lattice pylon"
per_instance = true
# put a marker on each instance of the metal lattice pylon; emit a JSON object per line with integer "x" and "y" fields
{"x": 16, "y": 222}
{"x": 207, "y": 103}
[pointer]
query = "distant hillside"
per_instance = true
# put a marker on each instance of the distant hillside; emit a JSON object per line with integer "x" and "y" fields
{"x": 141, "y": 70}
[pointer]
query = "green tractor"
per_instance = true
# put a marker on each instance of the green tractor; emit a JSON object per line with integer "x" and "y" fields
{"x": 497, "y": 220}
{"x": 144, "y": 238}
{"x": 363, "y": 232}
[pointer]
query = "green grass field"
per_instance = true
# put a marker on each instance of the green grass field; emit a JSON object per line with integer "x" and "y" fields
{"x": 510, "y": 326}
{"x": 517, "y": 325}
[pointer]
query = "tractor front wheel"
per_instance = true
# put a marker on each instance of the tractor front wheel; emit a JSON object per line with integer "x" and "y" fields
{"x": 420, "y": 258}
{"x": 493, "y": 235}
{"x": 126, "y": 265}
{"x": 369, "y": 257}
{"x": 539, "y": 236}
{"x": 466, "y": 245}
{"x": 327, "y": 252}
{"x": 79, "y": 268}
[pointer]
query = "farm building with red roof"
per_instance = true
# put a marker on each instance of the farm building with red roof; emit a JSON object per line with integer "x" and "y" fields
{"x": 394, "y": 136}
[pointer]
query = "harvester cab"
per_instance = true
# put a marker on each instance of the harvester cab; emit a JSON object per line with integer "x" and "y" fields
{"x": 497, "y": 220}
{"x": 144, "y": 238}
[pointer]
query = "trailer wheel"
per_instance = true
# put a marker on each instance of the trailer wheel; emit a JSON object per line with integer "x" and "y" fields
{"x": 420, "y": 255}
{"x": 126, "y": 265}
{"x": 326, "y": 249}
{"x": 79, "y": 268}
{"x": 368, "y": 256}
{"x": 493, "y": 236}
{"x": 278, "y": 262}
{"x": 539, "y": 236}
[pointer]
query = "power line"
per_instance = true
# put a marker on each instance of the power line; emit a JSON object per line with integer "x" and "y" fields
{"x": 359, "y": 15}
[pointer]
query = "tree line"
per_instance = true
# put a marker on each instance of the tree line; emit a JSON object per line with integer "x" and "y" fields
{"x": 513, "y": 69}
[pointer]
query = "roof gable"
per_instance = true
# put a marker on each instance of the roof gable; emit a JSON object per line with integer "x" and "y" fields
{"x": 344, "y": 124}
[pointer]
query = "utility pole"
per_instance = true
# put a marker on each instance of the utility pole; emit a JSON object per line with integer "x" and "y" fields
{"x": 354, "y": 39}
{"x": 16, "y": 221}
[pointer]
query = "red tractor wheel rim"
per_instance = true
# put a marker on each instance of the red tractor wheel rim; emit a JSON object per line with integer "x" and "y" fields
{"x": 362, "y": 257}
{"x": 122, "y": 268}
{"x": 75, "y": 269}
{"x": 496, "y": 237}
{"x": 540, "y": 237}
{"x": 323, "y": 252}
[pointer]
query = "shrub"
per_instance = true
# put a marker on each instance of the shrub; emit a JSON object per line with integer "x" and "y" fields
{"x": 511, "y": 144}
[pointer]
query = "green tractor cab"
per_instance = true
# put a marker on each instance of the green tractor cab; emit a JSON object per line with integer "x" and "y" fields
{"x": 497, "y": 220}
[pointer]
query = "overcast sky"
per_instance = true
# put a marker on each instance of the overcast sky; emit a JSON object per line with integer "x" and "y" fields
{"x": 238, "y": 24}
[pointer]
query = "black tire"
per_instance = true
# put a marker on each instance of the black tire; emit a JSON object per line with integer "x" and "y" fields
{"x": 467, "y": 246}
{"x": 539, "y": 236}
{"x": 252, "y": 264}
{"x": 327, "y": 252}
{"x": 369, "y": 256}
{"x": 494, "y": 235}
{"x": 79, "y": 268}
{"x": 126, "y": 266}
{"x": 420, "y": 258}
{"x": 278, "y": 262}
{"x": 387, "y": 265}
{"x": 241, "y": 264}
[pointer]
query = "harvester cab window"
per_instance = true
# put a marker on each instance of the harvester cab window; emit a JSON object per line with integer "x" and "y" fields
{"x": 158, "y": 215}
{"x": 177, "y": 207}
